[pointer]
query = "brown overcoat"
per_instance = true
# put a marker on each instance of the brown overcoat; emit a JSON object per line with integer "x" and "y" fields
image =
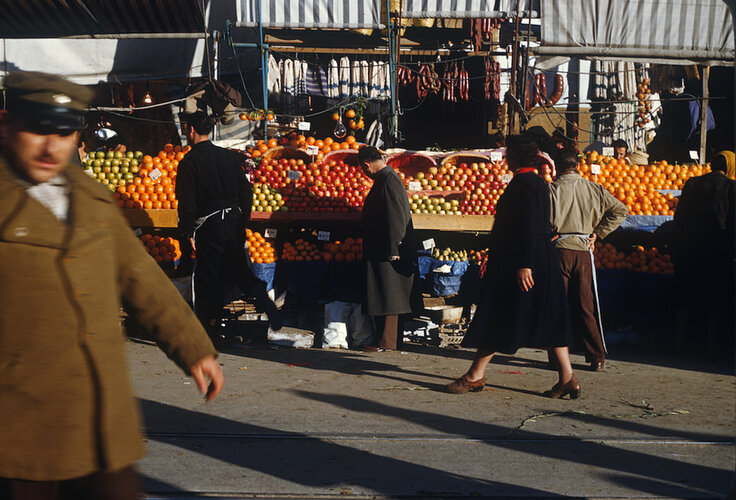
{"x": 66, "y": 405}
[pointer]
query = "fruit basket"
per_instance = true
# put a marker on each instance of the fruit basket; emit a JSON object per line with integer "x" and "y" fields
{"x": 287, "y": 152}
{"x": 465, "y": 157}
{"x": 411, "y": 163}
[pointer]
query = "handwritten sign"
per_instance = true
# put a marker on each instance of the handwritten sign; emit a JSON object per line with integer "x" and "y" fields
{"x": 294, "y": 175}
{"x": 415, "y": 186}
{"x": 428, "y": 244}
{"x": 270, "y": 232}
{"x": 694, "y": 155}
{"x": 155, "y": 174}
{"x": 304, "y": 126}
{"x": 323, "y": 236}
{"x": 138, "y": 232}
{"x": 608, "y": 151}
{"x": 595, "y": 169}
{"x": 506, "y": 178}
{"x": 312, "y": 150}
{"x": 496, "y": 156}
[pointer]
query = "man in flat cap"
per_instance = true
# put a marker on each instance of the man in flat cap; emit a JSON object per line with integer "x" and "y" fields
{"x": 69, "y": 426}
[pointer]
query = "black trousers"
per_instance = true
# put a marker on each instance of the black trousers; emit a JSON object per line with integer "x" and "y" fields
{"x": 118, "y": 485}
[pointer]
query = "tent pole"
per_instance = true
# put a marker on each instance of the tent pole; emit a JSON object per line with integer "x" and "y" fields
{"x": 514, "y": 70}
{"x": 264, "y": 70}
{"x": 393, "y": 129}
{"x": 704, "y": 114}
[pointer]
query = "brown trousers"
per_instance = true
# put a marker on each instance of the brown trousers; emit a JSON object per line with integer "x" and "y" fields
{"x": 118, "y": 485}
{"x": 577, "y": 273}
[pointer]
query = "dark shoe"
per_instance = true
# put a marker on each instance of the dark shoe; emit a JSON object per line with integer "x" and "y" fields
{"x": 559, "y": 391}
{"x": 275, "y": 319}
{"x": 464, "y": 384}
{"x": 374, "y": 348}
{"x": 597, "y": 367}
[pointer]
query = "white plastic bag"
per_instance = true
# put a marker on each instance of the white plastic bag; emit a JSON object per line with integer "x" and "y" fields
{"x": 335, "y": 333}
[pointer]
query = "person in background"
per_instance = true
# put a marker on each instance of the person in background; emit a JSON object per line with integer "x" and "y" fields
{"x": 704, "y": 257}
{"x": 391, "y": 287}
{"x": 523, "y": 301}
{"x": 215, "y": 202}
{"x": 620, "y": 150}
{"x": 581, "y": 212}
{"x": 69, "y": 425}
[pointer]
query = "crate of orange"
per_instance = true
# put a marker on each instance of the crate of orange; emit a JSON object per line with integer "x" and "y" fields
{"x": 304, "y": 269}
{"x": 262, "y": 257}
{"x": 345, "y": 269}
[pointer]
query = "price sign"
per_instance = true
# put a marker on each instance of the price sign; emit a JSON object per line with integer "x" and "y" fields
{"x": 595, "y": 169}
{"x": 138, "y": 232}
{"x": 294, "y": 175}
{"x": 428, "y": 244}
{"x": 312, "y": 150}
{"x": 496, "y": 156}
{"x": 270, "y": 232}
{"x": 155, "y": 174}
{"x": 694, "y": 155}
{"x": 323, "y": 236}
{"x": 506, "y": 178}
{"x": 248, "y": 176}
{"x": 608, "y": 151}
{"x": 304, "y": 126}
{"x": 89, "y": 172}
{"x": 415, "y": 186}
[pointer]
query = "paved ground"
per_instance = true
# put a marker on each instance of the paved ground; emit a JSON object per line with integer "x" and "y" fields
{"x": 318, "y": 423}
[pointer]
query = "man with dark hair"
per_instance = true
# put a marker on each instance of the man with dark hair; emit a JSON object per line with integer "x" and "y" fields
{"x": 215, "y": 201}
{"x": 704, "y": 261}
{"x": 389, "y": 250}
{"x": 70, "y": 425}
{"x": 581, "y": 212}
{"x": 620, "y": 149}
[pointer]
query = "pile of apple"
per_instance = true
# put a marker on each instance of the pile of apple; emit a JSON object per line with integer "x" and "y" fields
{"x": 643, "y": 260}
{"x": 113, "y": 169}
{"x": 163, "y": 250}
{"x": 425, "y": 204}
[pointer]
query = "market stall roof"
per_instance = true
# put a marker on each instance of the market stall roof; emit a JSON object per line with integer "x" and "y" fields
{"x": 469, "y": 8}
{"x": 673, "y": 31}
{"x": 338, "y": 14}
{"x": 55, "y": 18}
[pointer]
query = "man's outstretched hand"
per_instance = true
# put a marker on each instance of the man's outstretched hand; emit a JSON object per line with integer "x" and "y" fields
{"x": 207, "y": 368}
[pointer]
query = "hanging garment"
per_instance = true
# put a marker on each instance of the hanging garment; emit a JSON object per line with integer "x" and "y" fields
{"x": 274, "y": 80}
{"x": 375, "y": 132}
{"x": 355, "y": 78}
{"x": 365, "y": 81}
{"x": 386, "y": 84}
{"x": 375, "y": 80}
{"x": 288, "y": 89}
{"x": 333, "y": 79}
{"x": 316, "y": 81}
{"x": 344, "y": 77}
{"x": 303, "y": 102}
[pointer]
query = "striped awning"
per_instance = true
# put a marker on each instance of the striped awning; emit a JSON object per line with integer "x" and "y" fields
{"x": 469, "y": 8}
{"x": 677, "y": 31}
{"x": 343, "y": 14}
{"x": 55, "y": 18}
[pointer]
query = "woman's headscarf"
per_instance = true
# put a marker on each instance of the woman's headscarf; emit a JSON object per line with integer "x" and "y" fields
{"x": 730, "y": 158}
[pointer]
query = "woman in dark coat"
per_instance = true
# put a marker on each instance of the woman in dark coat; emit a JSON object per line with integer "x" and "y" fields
{"x": 523, "y": 302}
{"x": 389, "y": 250}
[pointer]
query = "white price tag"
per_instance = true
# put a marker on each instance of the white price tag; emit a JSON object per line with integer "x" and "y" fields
{"x": 305, "y": 126}
{"x": 294, "y": 175}
{"x": 248, "y": 176}
{"x": 595, "y": 169}
{"x": 694, "y": 155}
{"x": 506, "y": 178}
{"x": 312, "y": 150}
{"x": 428, "y": 244}
{"x": 138, "y": 232}
{"x": 155, "y": 174}
{"x": 90, "y": 172}
{"x": 323, "y": 236}
{"x": 415, "y": 186}
{"x": 270, "y": 232}
{"x": 608, "y": 151}
{"x": 496, "y": 156}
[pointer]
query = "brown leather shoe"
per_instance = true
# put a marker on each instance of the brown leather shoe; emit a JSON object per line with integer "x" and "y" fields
{"x": 596, "y": 366}
{"x": 559, "y": 391}
{"x": 464, "y": 384}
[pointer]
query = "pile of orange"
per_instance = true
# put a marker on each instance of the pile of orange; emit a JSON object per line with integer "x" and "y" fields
{"x": 154, "y": 187}
{"x": 162, "y": 249}
{"x": 300, "y": 141}
{"x": 260, "y": 250}
{"x": 637, "y": 185}
{"x": 349, "y": 250}
{"x": 640, "y": 260}
{"x": 301, "y": 250}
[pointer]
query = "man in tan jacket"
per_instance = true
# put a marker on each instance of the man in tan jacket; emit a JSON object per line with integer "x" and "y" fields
{"x": 69, "y": 425}
{"x": 581, "y": 212}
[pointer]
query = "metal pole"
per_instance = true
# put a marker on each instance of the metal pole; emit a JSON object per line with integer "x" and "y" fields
{"x": 264, "y": 70}
{"x": 393, "y": 129}
{"x": 704, "y": 114}
{"x": 514, "y": 65}
{"x": 216, "y": 70}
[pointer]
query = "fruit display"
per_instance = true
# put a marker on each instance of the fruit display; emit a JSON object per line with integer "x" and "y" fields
{"x": 637, "y": 186}
{"x": 300, "y": 251}
{"x": 642, "y": 260}
{"x": 449, "y": 254}
{"x": 163, "y": 250}
{"x": 478, "y": 257}
{"x": 113, "y": 169}
{"x": 260, "y": 250}
{"x": 350, "y": 250}
{"x": 155, "y": 183}
{"x": 644, "y": 106}
{"x": 266, "y": 199}
{"x": 425, "y": 204}
{"x": 295, "y": 140}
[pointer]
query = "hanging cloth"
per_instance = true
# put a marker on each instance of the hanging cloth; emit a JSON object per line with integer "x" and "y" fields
{"x": 386, "y": 84}
{"x": 365, "y": 81}
{"x": 289, "y": 88}
{"x": 315, "y": 84}
{"x": 274, "y": 80}
{"x": 344, "y": 77}
{"x": 333, "y": 79}
{"x": 375, "y": 131}
{"x": 375, "y": 79}
{"x": 300, "y": 77}
{"x": 355, "y": 78}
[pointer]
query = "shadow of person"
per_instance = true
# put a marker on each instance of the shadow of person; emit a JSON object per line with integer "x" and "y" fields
{"x": 312, "y": 463}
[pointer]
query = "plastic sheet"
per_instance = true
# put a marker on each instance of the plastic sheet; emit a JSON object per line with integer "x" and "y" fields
{"x": 265, "y": 273}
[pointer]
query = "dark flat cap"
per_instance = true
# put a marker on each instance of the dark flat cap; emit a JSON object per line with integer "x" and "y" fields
{"x": 46, "y": 101}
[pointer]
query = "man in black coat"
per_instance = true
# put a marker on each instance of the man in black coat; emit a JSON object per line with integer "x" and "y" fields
{"x": 215, "y": 201}
{"x": 704, "y": 261}
{"x": 389, "y": 250}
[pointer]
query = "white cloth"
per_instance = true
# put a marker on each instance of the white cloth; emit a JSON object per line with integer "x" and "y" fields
{"x": 386, "y": 80}
{"x": 287, "y": 77}
{"x": 365, "y": 81}
{"x": 344, "y": 77}
{"x": 375, "y": 79}
{"x": 355, "y": 78}
{"x": 54, "y": 195}
{"x": 274, "y": 77}
{"x": 333, "y": 79}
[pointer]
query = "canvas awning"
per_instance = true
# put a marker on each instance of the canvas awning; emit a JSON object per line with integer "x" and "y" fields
{"x": 671, "y": 31}
{"x": 469, "y": 8}
{"x": 342, "y": 14}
